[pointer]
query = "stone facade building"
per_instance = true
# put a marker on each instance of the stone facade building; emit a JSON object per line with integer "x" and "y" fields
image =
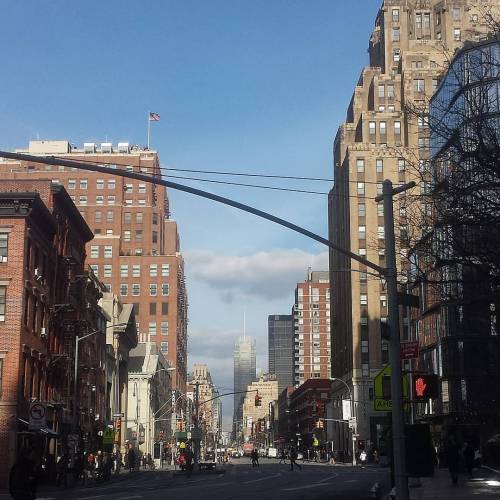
{"x": 382, "y": 138}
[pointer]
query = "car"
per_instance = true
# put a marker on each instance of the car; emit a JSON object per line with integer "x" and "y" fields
{"x": 235, "y": 454}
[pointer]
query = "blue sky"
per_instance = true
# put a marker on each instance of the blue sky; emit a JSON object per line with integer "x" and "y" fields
{"x": 255, "y": 86}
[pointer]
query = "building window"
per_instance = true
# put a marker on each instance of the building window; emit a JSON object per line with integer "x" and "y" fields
{"x": 108, "y": 251}
{"x": 362, "y": 232}
{"x": 361, "y": 210}
{"x": 127, "y": 218}
{"x": 83, "y": 183}
{"x": 153, "y": 289}
{"x": 360, "y": 165}
{"x": 152, "y": 328}
{"x": 164, "y": 327}
{"x": 165, "y": 269}
{"x": 361, "y": 188}
{"x": 108, "y": 270}
{"x": 154, "y": 237}
{"x": 124, "y": 270}
{"x": 109, "y": 232}
{"x": 395, "y": 15}
{"x": 136, "y": 270}
{"x": 3, "y": 301}
{"x": 139, "y": 217}
{"x": 98, "y": 216}
{"x": 83, "y": 200}
{"x": 397, "y": 128}
{"x": 95, "y": 269}
{"x": 164, "y": 308}
{"x": 396, "y": 55}
{"x": 380, "y": 232}
{"x": 4, "y": 247}
{"x": 363, "y": 277}
{"x": 153, "y": 270}
{"x": 165, "y": 289}
{"x": 365, "y": 370}
{"x": 129, "y": 188}
{"x": 380, "y": 209}
{"x": 381, "y": 90}
{"x": 456, "y": 13}
{"x": 94, "y": 252}
{"x": 138, "y": 235}
{"x": 99, "y": 200}
{"x": 379, "y": 165}
{"x": 390, "y": 91}
{"x": 383, "y": 301}
{"x": 382, "y": 128}
{"x": 155, "y": 219}
{"x": 111, "y": 199}
{"x": 152, "y": 308}
{"x": 396, "y": 34}
{"x": 124, "y": 289}
{"x": 1, "y": 376}
{"x": 419, "y": 85}
{"x": 380, "y": 187}
{"x": 99, "y": 183}
{"x": 136, "y": 289}
{"x": 164, "y": 347}
{"x": 126, "y": 236}
{"x": 110, "y": 216}
{"x": 372, "y": 128}
{"x": 108, "y": 287}
{"x": 111, "y": 184}
{"x": 381, "y": 107}
{"x": 142, "y": 188}
{"x": 363, "y": 299}
{"x": 364, "y": 346}
{"x": 72, "y": 184}
{"x": 401, "y": 165}
{"x": 457, "y": 34}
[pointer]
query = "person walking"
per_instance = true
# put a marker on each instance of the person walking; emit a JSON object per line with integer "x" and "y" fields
{"x": 469, "y": 454}
{"x": 452, "y": 458}
{"x": 189, "y": 460}
{"x": 283, "y": 456}
{"x": 255, "y": 458}
{"x": 131, "y": 458}
{"x": 22, "y": 477}
{"x": 293, "y": 458}
{"x": 62, "y": 470}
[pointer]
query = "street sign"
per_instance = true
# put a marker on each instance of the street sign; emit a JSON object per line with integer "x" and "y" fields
{"x": 409, "y": 350}
{"x": 118, "y": 415}
{"x": 381, "y": 402}
{"x": 108, "y": 436}
{"x": 196, "y": 433}
{"x": 38, "y": 416}
{"x": 407, "y": 299}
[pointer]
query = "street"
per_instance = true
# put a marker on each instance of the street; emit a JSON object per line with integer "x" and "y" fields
{"x": 240, "y": 481}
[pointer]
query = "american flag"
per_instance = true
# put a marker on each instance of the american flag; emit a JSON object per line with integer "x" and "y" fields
{"x": 154, "y": 117}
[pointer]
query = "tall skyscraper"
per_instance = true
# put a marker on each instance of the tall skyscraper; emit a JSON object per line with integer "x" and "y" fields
{"x": 244, "y": 375}
{"x": 136, "y": 250}
{"x": 382, "y": 139}
{"x": 311, "y": 314}
{"x": 280, "y": 345}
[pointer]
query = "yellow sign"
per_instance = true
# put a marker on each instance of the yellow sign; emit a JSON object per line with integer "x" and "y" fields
{"x": 108, "y": 436}
{"x": 316, "y": 442}
{"x": 380, "y": 403}
{"x": 182, "y": 445}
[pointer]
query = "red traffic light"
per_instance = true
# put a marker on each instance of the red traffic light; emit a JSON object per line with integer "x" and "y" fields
{"x": 258, "y": 400}
{"x": 426, "y": 387}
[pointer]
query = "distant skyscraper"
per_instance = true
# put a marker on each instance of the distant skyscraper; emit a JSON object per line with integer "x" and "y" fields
{"x": 244, "y": 375}
{"x": 280, "y": 343}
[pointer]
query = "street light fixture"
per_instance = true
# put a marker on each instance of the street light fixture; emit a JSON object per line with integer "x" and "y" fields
{"x": 334, "y": 379}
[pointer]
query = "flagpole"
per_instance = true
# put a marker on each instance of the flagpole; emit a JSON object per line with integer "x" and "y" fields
{"x": 149, "y": 128}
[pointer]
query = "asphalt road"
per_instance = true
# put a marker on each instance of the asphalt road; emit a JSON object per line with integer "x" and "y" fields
{"x": 271, "y": 481}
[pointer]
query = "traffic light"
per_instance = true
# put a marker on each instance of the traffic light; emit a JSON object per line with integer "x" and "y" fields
{"x": 425, "y": 387}
{"x": 320, "y": 424}
{"x": 258, "y": 400}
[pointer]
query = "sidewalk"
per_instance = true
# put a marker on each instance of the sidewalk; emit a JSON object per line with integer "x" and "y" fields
{"x": 484, "y": 485}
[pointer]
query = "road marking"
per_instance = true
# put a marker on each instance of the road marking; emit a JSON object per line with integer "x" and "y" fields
{"x": 328, "y": 478}
{"x": 90, "y": 498}
{"x": 261, "y": 479}
{"x": 306, "y": 487}
{"x": 129, "y": 498}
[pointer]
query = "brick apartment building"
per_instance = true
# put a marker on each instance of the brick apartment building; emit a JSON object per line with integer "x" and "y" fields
{"x": 311, "y": 314}
{"x": 46, "y": 298}
{"x": 136, "y": 250}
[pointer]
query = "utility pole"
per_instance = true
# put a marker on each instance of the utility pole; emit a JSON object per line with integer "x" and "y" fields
{"x": 390, "y": 274}
{"x": 197, "y": 437}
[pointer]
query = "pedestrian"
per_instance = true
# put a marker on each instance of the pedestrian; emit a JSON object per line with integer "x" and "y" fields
{"x": 62, "y": 470}
{"x": 189, "y": 460}
{"x": 79, "y": 466}
{"x": 22, "y": 478}
{"x": 452, "y": 458}
{"x": 131, "y": 458}
{"x": 469, "y": 454}
{"x": 255, "y": 458}
{"x": 293, "y": 458}
{"x": 283, "y": 456}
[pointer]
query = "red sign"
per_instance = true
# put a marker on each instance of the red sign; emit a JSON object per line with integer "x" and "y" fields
{"x": 409, "y": 350}
{"x": 420, "y": 386}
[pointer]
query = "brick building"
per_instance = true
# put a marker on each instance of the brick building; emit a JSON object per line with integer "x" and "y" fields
{"x": 46, "y": 298}
{"x": 311, "y": 314}
{"x": 136, "y": 248}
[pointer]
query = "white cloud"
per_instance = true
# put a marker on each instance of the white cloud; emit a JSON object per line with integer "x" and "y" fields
{"x": 262, "y": 275}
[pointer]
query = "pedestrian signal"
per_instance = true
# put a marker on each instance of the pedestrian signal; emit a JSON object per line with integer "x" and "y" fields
{"x": 320, "y": 424}
{"x": 426, "y": 387}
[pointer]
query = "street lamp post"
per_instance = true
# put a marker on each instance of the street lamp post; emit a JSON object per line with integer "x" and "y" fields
{"x": 352, "y": 416}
